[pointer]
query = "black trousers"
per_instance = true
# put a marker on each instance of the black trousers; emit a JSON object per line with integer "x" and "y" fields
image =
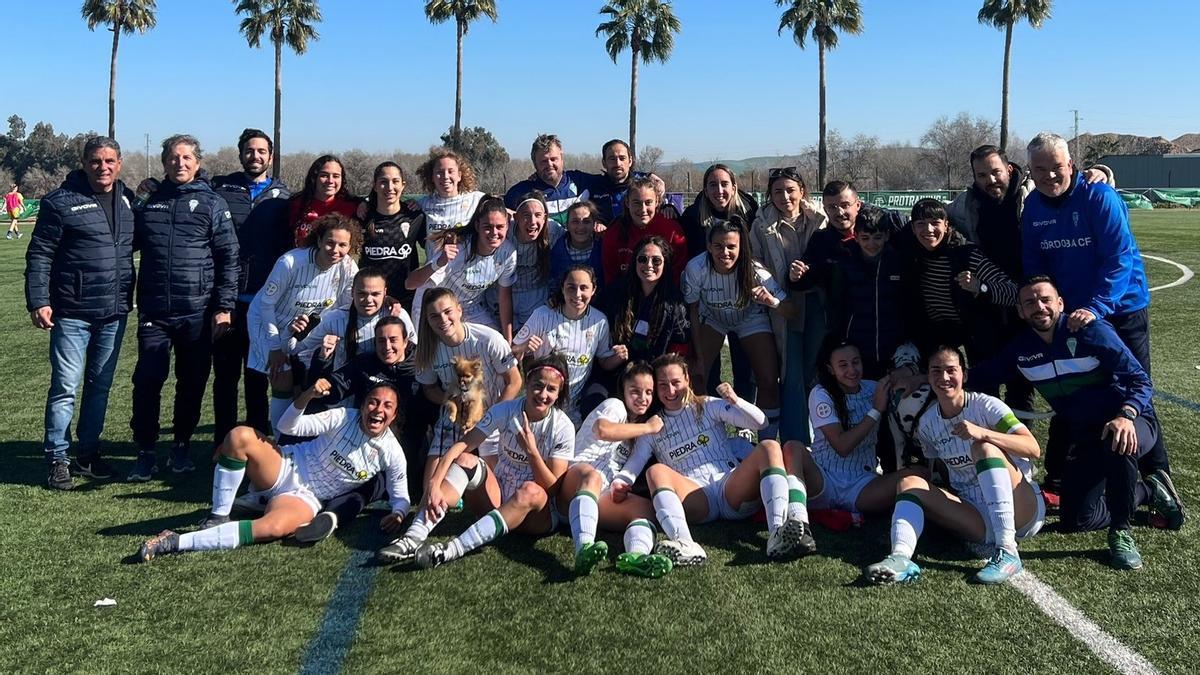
{"x": 229, "y": 364}
{"x": 743, "y": 374}
{"x": 190, "y": 338}
{"x": 1101, "y": 488}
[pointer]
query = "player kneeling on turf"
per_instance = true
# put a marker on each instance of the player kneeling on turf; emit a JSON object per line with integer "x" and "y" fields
{"x": 535, "y": 438}
{"x": 350, "y": 447}
{"x": 988, "y": 454}
{"x": 601, "y": 449}
{"x": 702, "y": 474}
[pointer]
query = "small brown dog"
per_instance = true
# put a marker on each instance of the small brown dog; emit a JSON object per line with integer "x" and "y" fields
{"x": 464, "y": 401}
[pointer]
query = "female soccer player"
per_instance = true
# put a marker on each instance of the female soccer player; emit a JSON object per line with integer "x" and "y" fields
{"x": 392, "y": 230}
{"x": 640, "y": 219}
{"x": 536, "y": 441}
{"x": 988, "y": 454}
{"x": 647, "y": 313}
{"x": 570, "y": 326}
{"x": 702, "y": 474}
{"x": 450, "y": 195}
{"x": 324, "y": 193}
{"x": 581, "y": 244}
{"x": 846, "y": 413}
{"x": 602, "y": 446}
{"x": 350, "y": 447}
{"x": 303, "y": 284}
{"x": 533, "y": 236}
{"x": 728, "y": 293}
{"x": 487, "y": 259}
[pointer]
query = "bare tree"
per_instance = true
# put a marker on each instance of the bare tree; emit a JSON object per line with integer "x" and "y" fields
{"x": 648, "y": 159}
{"x": 949, "y": 142}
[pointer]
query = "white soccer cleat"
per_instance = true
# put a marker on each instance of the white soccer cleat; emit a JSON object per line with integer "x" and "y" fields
{"x": 401, "y": 550}
{"x": 681, "y": 553}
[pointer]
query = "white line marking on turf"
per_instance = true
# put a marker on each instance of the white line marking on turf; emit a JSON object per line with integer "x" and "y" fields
{"x": 1187, "y": 272}
{"x": 1103, "y": 645}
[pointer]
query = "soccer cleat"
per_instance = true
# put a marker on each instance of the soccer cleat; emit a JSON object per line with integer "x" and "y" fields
{"x": 253, "y": 502}
{"x": 894, "y": 569}
{"x": 213, "y": 520}
{"x": 179, "y": 461}
{"x": 681, "y": 553}
{"x": 590, "y": 555}
{"x": 320, "y": 527}
{"x": 1166, "y": 500}
{"x": 431, "y": 555}
{"x": 20, "y": 234}
{"x": 1002, "y": 566}
{"x": 401, "y": 550}
{"x": 1124, "y": 552}
{"x": 164, "y": 542}
{"x": 649, "y": 565}
{"x": 789, "y": 539}
{"x": 59, "y": 477}
{"x": 91, "y": 466}
{"x": 144, "y": 468}
{"x": 8, "y": 236}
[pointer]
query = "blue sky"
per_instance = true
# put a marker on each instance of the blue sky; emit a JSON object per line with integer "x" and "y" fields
{"x": 381, "y": 78}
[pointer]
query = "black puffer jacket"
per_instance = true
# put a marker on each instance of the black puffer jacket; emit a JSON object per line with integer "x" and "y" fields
{"x": 77, "y": 263}
{"x": 189, "y": 251}
{"x": 261, "y": 225}
{"x": 696, "y": 232}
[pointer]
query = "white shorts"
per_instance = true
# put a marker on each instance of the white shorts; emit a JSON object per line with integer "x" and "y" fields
{"x": 257, "y": 355}
{"x": 289, "y": 483}
{"x": 719, "y": 507}
{"x": 1023, "y": 531}
{"x": 841, "y": 492}
{"x": 755, "y": 323}
{"x": 445, "y": 434}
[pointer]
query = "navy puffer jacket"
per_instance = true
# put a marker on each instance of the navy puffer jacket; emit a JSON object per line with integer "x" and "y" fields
{"x": 189, "y": 251}
{"x": 263, "y": 232}
{"x": 77, "y": 263}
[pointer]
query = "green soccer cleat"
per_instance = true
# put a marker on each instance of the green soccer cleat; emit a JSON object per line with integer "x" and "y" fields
{"x": 894, "y": 569}
{"x": 648, "y": 565}
{"x": 162, "y": 543}
{"x": 1166, "y": 500}
{"x": 1124, "y": 552}
{"x": 590, "y": 555}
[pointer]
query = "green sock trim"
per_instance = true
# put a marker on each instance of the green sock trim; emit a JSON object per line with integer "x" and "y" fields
{"x": 909, "y": 497}
{"x": 989, "y": 463}
{"x": 588, "y": 494}
{"x": 797, "y": 497}
{"x": 772, "y": 471}
{"x": 663, "y": 489}
{"x": 245, "y": 532}
{"x": 501, "y": 526}
{"x": 227, "y": 462}
{"x": 641, "y": 522}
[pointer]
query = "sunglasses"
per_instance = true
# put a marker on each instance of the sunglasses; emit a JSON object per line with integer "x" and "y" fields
{"x": 654, "y": 260}
{"x": 789, "y": 172}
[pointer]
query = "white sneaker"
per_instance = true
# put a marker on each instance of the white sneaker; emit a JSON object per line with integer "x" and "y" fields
{"x": 401, "y": 550}
{"x": 322, "y": 525}
{"x": 681, "y": 553}
{"x": 253, "y": 502}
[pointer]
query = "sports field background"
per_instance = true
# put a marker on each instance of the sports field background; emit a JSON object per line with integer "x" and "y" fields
{"x": 516, "y": 607}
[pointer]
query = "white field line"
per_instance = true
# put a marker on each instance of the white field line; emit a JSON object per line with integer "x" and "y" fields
{"x": 1187, "y": 272}
{"x": 1103, "y": 645}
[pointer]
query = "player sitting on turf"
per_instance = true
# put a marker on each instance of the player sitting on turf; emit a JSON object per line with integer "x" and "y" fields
{"x": 988, "y": 455}
{"x": 350, "y": 447}
{"x": 702, "y": 474}
{"x": 602, "y": 447}
{"x": 842, "y": 472}
{"x": 536, "y": 440}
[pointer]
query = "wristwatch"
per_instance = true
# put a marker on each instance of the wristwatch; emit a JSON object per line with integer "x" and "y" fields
{"x": 983, "y": 287}
{"x": 1129, "y": 413}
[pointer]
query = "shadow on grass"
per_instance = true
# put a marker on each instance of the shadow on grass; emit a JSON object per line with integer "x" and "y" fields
{"x": 148, "y": 528}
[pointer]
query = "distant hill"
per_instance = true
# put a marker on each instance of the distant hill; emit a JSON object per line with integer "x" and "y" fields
{"x": 1189, "y": 142}
{"x": 1130, "y": 144}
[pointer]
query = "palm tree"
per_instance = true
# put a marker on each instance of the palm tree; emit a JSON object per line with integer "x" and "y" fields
{"x": 463, "y": 12}
{"x": 647, "y": 29}
{"x": 823, "y": 18}
{"x": 286, "y": 21}
{"x": 1006, "y": 14}
{"x": 122, "y": 16}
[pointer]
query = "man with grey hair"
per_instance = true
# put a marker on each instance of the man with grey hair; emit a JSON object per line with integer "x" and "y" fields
{"x": 562, "y": 187}
{"x": 1077, "y": 233}
{"x": 187, "y": 288}
{"x": 79, "y": 286}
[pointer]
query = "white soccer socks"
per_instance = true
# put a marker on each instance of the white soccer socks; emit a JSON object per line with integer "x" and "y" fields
{"x": 584, "y": 512}
{"x": 908, "y": 520}
{"x": 227, "y": 477}
{"x": 487, "y": 528}
{"x": 773, "y": 486}
{"x": 225, "y": 536}
{"x": 669, "y": 509}
{"x": 797, "y": 504}
{"x": 639, "y": 536}
{"x": 996, "y": 486}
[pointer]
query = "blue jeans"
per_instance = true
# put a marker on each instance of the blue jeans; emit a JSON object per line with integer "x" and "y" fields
{"x": 87, "y": 351}
{"x": 800, "y": 372}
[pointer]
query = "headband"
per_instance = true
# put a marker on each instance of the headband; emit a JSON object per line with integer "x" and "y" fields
{"x": 561, "y": 373}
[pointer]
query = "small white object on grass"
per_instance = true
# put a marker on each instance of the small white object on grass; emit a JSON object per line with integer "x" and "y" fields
{"x": 105, "y": 602}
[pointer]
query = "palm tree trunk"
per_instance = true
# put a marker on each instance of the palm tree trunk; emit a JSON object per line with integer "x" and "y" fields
{"x": 277, "y": 154}
{"x": 633, "y": 82}
{"x": 112, "y": 80}
{"x": 458, "y": 85}
{"x": 1008, "y": 31}
{"x": 822, "y": 157}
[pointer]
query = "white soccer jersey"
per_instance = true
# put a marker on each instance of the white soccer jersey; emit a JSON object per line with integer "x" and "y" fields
{"x": 342, "y": 456}
{"x": 478, "y": 342}
{"x": 581, "y": 341}
{"x": 695, "y": 446}
{"x": 555, "y": 436}
{"x": 938, "y": 441}
{"x": 718, "y": 293}
{"x": 295, "y": 286}
{"x": 607, "y": 457}
{"x": 334, "y": 323}
{"x": 446, "y": 213}
{"x": 821, "y": 412}
{"x": 469, "y": 275}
